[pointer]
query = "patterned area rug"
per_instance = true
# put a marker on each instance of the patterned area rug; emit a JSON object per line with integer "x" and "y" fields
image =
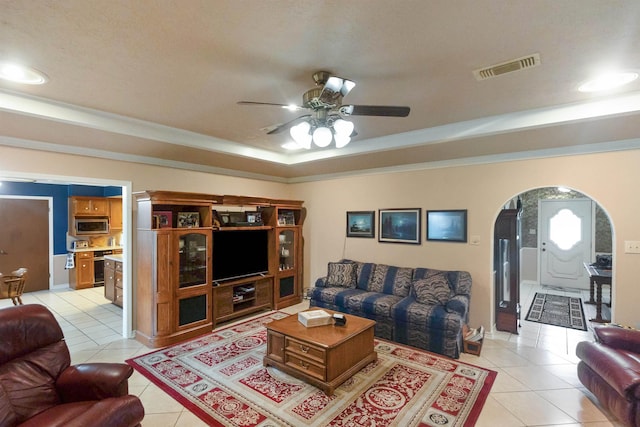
{"x": 221, "y": 379}
{"x": 558, "y": 311}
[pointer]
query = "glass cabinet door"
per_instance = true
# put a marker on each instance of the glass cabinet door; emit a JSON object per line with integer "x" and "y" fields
{"x": 192, "y": 250}
{"x": 286, "y": 250}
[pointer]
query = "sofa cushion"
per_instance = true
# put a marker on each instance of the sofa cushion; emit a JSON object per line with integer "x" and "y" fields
{"x": 372, "y": 304}
{"x": 365, "y": 272}
{"x": 391, "y": 280}
{"x": 431, "y": 290}
{"x": 342, "y": 274}
{"x": 333, "y": 295}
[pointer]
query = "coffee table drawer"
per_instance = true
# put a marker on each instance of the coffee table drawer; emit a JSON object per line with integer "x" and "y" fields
{"x": 306, "y": 366}
{"x": 306, "y": 350}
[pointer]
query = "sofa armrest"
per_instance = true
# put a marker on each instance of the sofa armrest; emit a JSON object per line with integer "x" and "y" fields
{"x": 619, "y": 368}
{"x": 93, "y": 381}
{"x": 620, "y": 338}
{"x": 459, "y": 304}
{"x": 321, "y": 282}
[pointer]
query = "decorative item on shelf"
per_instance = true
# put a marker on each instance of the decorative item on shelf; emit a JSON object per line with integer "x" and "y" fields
{"x": 286, "y": 218}
{"x": 225, "y": 219}
{"x": 216, "y": 221}
{"x": 163, "y": 219}
{"x": 188, "y": 219}
{"x": 254, "y": 218}
{"x": 313, "y": 318}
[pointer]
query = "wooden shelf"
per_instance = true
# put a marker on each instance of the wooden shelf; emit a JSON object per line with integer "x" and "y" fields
{"x": 249, "y": 227}
{"x": 260, "y": 297}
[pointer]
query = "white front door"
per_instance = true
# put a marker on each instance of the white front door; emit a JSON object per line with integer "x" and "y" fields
{"x": 565, "y": 242}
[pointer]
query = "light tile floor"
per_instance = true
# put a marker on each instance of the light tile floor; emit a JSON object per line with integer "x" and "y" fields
{"x": 536, "y": 385}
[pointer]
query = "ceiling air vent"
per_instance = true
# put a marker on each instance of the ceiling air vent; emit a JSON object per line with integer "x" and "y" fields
{"x": 507, "y": 67}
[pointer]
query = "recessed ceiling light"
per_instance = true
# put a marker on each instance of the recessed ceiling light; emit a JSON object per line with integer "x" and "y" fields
{"x": 21, "y": 74}
{"x": 608, "y": 81}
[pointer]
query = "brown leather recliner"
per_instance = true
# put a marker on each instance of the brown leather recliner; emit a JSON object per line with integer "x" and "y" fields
{"x": 38, "y": 387}
{"x": 610, "y": 369}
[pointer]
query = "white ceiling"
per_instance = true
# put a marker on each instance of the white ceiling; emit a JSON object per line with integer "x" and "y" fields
{"x": 158, "y": 81}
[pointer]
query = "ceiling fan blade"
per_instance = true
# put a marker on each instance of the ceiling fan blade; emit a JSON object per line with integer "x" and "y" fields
{"x": 375, "y": 110}
{"x": 288, "y": 107}
{"x": 287, "y": 125}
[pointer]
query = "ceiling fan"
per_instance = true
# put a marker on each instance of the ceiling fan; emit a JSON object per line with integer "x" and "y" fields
{"x": 325, "y": 120}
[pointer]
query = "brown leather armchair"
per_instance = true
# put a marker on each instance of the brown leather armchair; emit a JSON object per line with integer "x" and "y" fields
{"x": 610, "y": 369}
{"x": 38, "y": 387}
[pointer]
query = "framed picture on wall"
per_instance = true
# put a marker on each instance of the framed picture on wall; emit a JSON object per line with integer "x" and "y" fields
{"x": 361, "y": 224}
{"x": 399, "y": 225}
{"x": 447, "y": 226}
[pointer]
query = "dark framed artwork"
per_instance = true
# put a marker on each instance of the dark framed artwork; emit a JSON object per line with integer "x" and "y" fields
{"x": 361, "y": 224}
{"x": 399, "y": 225}
{"x": 447, "y": 225}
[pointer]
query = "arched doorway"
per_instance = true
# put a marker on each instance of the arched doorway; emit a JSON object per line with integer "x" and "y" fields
{"x": 532, "y": 252}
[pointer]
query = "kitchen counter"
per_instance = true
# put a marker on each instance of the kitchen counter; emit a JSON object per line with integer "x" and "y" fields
{"x": 95, "y": 248}
{"x": 116, "y": 257}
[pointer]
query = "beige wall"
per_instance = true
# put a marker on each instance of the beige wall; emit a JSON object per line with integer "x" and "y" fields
{"x": 607, "y": 178}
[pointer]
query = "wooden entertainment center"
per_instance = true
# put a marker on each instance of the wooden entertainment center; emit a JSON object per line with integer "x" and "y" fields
{"x": 178, "y": 293}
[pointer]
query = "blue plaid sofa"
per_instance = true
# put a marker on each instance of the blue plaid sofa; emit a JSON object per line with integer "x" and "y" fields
{"x": 421, "y": 307}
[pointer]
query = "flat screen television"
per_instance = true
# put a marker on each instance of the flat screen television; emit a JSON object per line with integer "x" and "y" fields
{"x": 239, "y": 253}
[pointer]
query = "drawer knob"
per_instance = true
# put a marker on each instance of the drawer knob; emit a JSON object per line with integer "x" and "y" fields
{"x": 304, "y": 365}
{"x": 304, "y": 349}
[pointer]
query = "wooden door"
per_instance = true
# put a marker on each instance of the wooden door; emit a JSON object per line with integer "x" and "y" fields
{"x": 24, "y": 240}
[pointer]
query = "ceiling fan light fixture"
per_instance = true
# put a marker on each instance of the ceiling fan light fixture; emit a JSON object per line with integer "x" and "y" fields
{"x": 341, "y": 140}
{"x": 322, "y": 136}
{"x": 347, "y": 86}
{"x": 300, "y": 134}
{"x": 343, "y": 127}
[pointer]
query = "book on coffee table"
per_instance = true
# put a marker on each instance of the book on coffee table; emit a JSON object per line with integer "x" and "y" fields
{"x": 315, "y": 318}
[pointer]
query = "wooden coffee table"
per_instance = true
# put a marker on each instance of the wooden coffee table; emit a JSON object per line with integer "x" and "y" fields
{"x": 324, "y": 356}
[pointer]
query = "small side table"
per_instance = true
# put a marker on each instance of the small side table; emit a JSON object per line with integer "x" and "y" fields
{"x": 597, "y": 278}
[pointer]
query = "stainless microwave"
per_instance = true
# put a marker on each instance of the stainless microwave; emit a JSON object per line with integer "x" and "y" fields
{"x": 86, "y": 226}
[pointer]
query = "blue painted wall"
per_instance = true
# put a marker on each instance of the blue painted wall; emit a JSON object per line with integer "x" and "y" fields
{"x": 60, "y": 195}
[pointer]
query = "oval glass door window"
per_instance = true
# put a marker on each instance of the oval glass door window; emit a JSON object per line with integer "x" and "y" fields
{"x": 565, "y": 229}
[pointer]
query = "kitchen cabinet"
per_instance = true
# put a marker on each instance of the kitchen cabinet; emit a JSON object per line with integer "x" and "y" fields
{"x": 89, "y": 206}
{"x": 113, "y": 281}
{"x": 115, "y": 213}
{"x": 82, "y": 276}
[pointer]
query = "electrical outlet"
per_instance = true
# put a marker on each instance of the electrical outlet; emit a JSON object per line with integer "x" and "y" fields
{"x": 632, "y": 247}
